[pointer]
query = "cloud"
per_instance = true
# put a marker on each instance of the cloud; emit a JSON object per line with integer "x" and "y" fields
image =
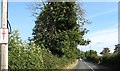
{"x": 108, "y": 36}
{"x": 101, "y": 39}
{"x": 104, "y": 13}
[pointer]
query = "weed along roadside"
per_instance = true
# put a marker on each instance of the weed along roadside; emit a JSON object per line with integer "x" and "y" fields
{"x": 71, "y": 65}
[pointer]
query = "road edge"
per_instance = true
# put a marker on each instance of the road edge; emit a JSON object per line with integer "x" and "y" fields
{"x": 71, "y": 66}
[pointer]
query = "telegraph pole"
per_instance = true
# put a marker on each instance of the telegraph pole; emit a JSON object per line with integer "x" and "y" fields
{"x": 4, "y": 36}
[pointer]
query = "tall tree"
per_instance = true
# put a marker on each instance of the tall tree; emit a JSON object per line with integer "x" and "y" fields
{"x": 59, "y": 28}
{"x": 105, "y": 51}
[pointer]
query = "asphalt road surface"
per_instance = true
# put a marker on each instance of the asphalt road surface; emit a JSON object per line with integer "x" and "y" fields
{"x": 84, "y": 65}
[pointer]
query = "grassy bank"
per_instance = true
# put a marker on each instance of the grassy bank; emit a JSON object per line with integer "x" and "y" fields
{"x": 71, "y": 65}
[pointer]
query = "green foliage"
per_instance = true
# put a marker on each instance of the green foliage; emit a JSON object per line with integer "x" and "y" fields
{"x": 111, "y": 59}
{"x": 117, "y": 48}
{"x": 92, "y": 55}
{"x": 25, "y": 56}
{"x": 56, "y": 28}
{"x": 82, "y": 55}
{"x": 105, "y": 52}
{"x": 57, "y": 32}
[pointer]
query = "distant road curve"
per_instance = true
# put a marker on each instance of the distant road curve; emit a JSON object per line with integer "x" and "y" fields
{"x": 84, "y": 65}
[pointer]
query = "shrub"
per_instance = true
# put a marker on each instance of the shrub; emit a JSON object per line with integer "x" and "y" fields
{"x": 25, "y": 56}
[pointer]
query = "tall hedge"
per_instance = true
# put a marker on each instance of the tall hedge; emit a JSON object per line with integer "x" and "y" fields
{"x": 25, "y": 56}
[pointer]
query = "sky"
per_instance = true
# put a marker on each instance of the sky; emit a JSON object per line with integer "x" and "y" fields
{"x": 20, "y": 18}
{"x": 103, "y": 30}
{"x": 64, "y": 0}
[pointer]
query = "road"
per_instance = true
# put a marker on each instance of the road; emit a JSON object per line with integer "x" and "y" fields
{"x": 84, "y": 65}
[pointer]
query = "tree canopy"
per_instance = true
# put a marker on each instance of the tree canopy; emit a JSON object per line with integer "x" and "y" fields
{"x": 105, "y": 51}
{"x": 59, "y": 28}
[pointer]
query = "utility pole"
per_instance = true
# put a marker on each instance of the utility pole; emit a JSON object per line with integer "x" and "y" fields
{"x": 4, "y": 36}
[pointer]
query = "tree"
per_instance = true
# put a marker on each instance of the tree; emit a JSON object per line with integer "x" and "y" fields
{"x": 92, "y": 55}
{"x": 105, "y": 51}
{"x": 90, "y": 52}
{"x": 117, "y": 48}
{"x": 14, "y": 40}
{"x": 15, "y": 50}
{"x": 59, "y": 28}
{"x": 82, "y": 54}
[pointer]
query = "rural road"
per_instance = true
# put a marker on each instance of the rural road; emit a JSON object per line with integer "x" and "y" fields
{"x": 84, "y": 65}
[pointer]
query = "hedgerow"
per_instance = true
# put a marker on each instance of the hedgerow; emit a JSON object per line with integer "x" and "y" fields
{"x": 25, "y": 56}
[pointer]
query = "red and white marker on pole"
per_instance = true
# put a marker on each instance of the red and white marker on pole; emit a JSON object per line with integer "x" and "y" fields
{"x": 3, "y": 33}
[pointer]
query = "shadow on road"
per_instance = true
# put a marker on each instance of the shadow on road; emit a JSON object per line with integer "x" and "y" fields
{"x": 87, "y": 65}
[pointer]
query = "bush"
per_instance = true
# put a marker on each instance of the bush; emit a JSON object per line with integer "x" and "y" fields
{"x": 25, "y": 56}
{"x": 112, "y": 60}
